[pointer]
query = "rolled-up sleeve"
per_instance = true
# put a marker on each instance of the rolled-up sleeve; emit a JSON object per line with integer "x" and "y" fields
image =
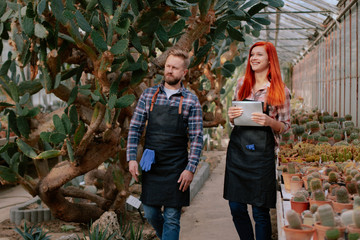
{"x": 284, "y": 111}
{"x": 136, "y": 128}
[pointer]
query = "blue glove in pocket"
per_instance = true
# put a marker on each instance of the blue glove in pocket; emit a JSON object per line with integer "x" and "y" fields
{"x": 250, "y": 147}
{"x": 147, "y": 159}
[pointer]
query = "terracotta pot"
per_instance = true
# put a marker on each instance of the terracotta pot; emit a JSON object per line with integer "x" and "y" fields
{"x": 299, "y": 234}
{"x": 321, "y": 230}
{"x": 287, "y": 178}
{"x": 319, "y": 203}
{"x": 299, "y": 207}
{"x": 353, "y": 229}
{"x": 338, "y": 207}
{"x": 295, "y": 186}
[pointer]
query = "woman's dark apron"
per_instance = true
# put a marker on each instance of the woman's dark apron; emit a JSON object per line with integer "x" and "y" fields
{"x": 166, "y": 134}
{"x": 250, "y": 173}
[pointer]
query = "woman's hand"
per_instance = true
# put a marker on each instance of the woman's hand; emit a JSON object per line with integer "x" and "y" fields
{"x": 234, "y": 112}
{"x": 262, "y": 119}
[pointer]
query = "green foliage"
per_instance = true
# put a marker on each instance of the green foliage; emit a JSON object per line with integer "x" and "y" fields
{"x": 103, "y": 52}
{"x": 96, "y": 233}
{"x": 32, "y": 233}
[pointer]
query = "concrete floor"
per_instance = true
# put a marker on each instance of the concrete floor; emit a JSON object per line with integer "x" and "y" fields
{"x": 208, "y": 216}
{"x": 10, "y": 197}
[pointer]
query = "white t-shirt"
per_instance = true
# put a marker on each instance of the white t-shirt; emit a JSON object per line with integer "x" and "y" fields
{"x": 170, "y": 92}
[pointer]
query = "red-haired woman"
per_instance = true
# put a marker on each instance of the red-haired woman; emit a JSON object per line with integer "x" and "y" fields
{"x": 250, "y": 161}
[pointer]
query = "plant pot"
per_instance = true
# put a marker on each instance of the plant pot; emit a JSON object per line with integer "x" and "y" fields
{"x": 319, "y": 203}
{"x": 353, "y": 229}
{"x": 299, "y": 207}
{"x": 287, "y": 178}
{"x": 339, "y": 207}
{"x": 295, "y": 186}
{"x": 321, "y": 231}
{"x": 299, "y": 234}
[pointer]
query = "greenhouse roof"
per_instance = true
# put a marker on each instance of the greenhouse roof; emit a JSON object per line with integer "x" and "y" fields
{"x": 297, "y": 26}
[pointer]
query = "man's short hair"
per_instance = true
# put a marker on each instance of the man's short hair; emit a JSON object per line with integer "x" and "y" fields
{"x": 182, "y": 54}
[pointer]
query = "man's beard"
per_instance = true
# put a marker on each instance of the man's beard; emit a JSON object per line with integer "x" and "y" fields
{"x": 172, "y": 81}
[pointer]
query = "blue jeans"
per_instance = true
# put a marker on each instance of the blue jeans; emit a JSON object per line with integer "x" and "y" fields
{"x": 243, "y": 224}
{"x": 166, "y": 224}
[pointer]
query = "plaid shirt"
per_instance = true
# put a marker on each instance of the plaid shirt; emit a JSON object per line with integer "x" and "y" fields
{"x": 191, "y": 110}
{"x": 280, "y": 113}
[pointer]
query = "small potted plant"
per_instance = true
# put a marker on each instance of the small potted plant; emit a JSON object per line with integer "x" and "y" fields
{"x": 296, "y": 184}
{"x": 351, "y": 219}
{"x": 327, "y": 221}
{"x": 342, "y": 200}
{"x": 317, "y": 195}
{"x": 299, "y": 202}
{"x": 291, "y": 171}
{"x": 296, "y": 230}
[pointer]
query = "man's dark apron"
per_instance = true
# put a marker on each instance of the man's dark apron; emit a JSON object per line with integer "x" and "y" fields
{"x": 166, "y": 134}
{"x": 250, "y": 174}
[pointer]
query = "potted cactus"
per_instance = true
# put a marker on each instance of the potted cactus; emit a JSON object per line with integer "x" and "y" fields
{"x": 342, "y": 200}
{"x": 291, "y": 171}
{"x": 327, "y": 221}
{"x": 295, "y": 230}
{"x": 351, "y": 219}
{"x": 296, "y": 183}
{"x": 332, "y": 234}
{"x": 317, "y": 193}
{"x": 299, "y": 202}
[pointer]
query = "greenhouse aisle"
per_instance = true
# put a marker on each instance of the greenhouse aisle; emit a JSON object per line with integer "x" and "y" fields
{"x": 208, "y": 216}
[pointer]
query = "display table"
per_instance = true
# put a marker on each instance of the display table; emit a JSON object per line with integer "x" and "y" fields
{"x": 282, "y": 205}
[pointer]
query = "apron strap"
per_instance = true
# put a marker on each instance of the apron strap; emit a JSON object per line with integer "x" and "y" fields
{"x": 153, "y": 100}
{"x": 180, "y": 104}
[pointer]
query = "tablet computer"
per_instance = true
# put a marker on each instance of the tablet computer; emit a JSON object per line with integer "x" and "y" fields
{"x": 249, "y": 107}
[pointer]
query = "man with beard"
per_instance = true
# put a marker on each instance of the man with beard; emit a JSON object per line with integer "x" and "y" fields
{"x": 173, "y": 115}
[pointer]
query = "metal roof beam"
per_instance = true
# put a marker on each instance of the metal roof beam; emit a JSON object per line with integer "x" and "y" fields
{"x": 320, "y": 4}
{"x": 294, "y": 12}
{"x": 290, "y": 28}
{"x": 285, "y": 39}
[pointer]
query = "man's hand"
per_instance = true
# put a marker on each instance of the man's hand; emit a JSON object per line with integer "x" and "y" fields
{"x": 134, "y": 169}
{"x": 185, "y": 179}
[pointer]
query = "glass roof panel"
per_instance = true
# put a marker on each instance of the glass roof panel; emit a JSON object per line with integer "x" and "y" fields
{"x": 295, "y": 26}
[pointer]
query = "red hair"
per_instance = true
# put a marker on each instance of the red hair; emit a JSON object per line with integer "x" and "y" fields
{"x": 276, "y": 94}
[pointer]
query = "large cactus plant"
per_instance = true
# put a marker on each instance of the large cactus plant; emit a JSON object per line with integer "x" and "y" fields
{"x": 97, "y": 57}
